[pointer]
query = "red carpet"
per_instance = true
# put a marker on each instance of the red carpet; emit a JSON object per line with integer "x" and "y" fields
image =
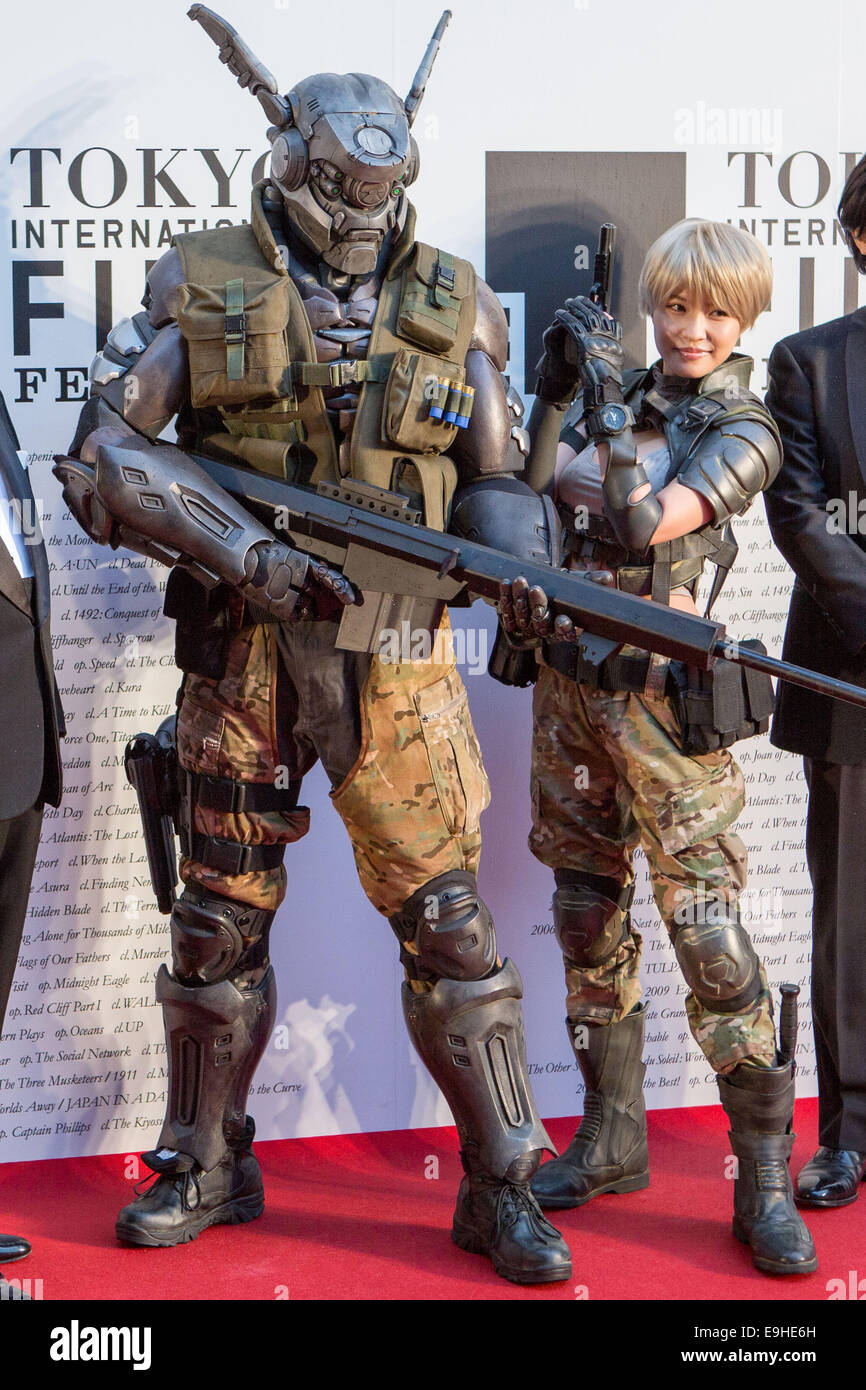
{"x": 356, "y": 1217}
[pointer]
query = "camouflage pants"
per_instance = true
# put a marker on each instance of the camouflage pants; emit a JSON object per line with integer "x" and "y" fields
{"x": 607, "y": 775}
{"x": 395, "y": 739}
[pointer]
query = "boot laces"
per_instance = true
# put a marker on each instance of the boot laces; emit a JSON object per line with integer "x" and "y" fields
{"x": 515, "y": 1198}
{"x": 184, "y": 1181}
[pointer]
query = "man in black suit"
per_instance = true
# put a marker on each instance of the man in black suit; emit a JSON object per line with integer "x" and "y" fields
{"x": 817, "y": 513}
{"x": 31, "y": 719}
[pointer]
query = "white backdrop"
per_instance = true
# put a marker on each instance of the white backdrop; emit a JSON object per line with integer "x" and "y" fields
{"x": 765, "y": 101}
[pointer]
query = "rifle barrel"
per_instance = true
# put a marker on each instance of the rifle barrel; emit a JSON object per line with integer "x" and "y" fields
{"x": 731, "y": 650}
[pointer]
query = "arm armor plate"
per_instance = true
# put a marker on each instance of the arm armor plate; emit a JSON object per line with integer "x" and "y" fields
{"x": 158, "y": 501}
{"x": 732, "y": 462}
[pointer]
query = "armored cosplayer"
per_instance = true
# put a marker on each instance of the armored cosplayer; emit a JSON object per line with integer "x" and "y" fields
{"x": 320, "y": 344}
{"x": 648, "y": 469}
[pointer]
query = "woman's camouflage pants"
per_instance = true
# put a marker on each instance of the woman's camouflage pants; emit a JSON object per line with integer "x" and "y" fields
{"x": 395, "y": 739}
{"x": 607, "y": 775}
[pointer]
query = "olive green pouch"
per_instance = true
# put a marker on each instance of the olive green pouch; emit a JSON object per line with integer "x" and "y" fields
{"x": 434, "y": 288}
{"x": 410, "y": 391}
{"x": 237, "y": 341}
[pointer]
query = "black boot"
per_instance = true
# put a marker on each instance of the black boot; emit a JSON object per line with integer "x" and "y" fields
{"x": 206, "y": 1172}
{"x": 502, "y": 1219}
{"x": 13, "y": 1248}
{"x": 759, "y": 1103}
{"x": 185, "y": 1200}
{"x": 609, "y": 1151}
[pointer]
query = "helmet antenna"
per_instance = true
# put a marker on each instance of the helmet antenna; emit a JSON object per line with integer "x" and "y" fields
{"x": 413, "y": 100}
{"x": 245, "y": 65}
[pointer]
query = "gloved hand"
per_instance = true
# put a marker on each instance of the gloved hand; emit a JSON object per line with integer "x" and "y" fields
{"x": 293, "y": 585}
{"x": 526, "y": 617}
{"x": 582, "y": 346}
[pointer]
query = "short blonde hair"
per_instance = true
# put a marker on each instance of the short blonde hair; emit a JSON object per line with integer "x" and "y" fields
{"x": 713, "y": 259}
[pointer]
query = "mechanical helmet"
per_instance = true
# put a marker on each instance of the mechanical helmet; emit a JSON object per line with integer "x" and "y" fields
{"x": 342, "y": 151}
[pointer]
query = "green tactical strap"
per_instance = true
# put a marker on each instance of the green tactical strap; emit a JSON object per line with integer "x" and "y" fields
{"x": 340, "y": 373}
{"x": 235, "y": 330}
{"x": 443, "y": 284}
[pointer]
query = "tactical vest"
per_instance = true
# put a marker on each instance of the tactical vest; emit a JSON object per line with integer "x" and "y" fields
{"x": 256, "y": 386}
{"x": 721, "y": 395}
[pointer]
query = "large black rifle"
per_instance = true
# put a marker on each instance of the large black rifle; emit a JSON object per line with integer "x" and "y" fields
{"x": 369, "y": 534}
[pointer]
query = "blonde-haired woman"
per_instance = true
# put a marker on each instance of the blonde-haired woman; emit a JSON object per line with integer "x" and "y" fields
{"x": 649, "y": 470}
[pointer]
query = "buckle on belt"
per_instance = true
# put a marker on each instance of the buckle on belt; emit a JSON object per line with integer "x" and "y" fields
{"x": 444, "y": 276}
{"x": 343, "y": 373}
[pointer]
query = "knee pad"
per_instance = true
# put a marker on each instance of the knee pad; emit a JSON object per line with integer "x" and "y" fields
{"x": 446, "y": 930}
{"x": 590, "y": 917}
{"x": 214, "y": 938}
{"x": 719, "y": 965}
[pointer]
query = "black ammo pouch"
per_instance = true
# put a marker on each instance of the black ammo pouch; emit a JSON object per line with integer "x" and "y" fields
{"x": 719, "y": 707}
{"x": 512, "y": 665}
{"x": 204, "y": 625}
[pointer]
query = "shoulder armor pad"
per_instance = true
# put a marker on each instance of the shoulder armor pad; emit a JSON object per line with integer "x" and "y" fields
{"x": 163, "y": 282}
{"x": 733, "y": 460}
{"x": 490, "y": 334}
{"x": 126, "y": 341}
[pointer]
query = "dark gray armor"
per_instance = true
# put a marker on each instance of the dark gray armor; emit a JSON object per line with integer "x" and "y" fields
{"x": 332, "y": 218}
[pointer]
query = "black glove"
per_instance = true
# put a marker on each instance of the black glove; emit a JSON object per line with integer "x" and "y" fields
{"x": 594, "y": 340}
{"x": 583, "y": 346}
{"x": 524, "y": 614}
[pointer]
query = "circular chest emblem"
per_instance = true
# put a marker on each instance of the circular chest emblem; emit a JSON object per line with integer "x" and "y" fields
{"x": 374, "y": 140}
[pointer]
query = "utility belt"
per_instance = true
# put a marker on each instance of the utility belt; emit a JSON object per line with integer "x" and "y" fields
{"x": 632, "y": 574}
{"x": 714, "y": 708}
{"x": 616, "y": 673}
{"x": 167, "y": 796}
{"x": 675, "y": 564}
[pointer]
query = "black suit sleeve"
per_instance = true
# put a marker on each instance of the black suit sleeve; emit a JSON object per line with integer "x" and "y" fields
{"x": 828, "y": 563}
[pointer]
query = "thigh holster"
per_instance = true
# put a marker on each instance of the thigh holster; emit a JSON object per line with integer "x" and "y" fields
{"x": 720, "y": 966}
{"x": 591, "y": 918}
{"x": 469, "y": 1034}
{"x": 446, "y": 931}
{"x": 215, "y": 1036}
{"x": 229, "y": 797}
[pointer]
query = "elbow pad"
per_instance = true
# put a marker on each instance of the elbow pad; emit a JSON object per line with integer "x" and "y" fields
{"x": 507, "y": 515}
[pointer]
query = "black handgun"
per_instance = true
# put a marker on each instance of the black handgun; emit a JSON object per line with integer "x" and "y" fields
{"x": 602, "y": 271}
